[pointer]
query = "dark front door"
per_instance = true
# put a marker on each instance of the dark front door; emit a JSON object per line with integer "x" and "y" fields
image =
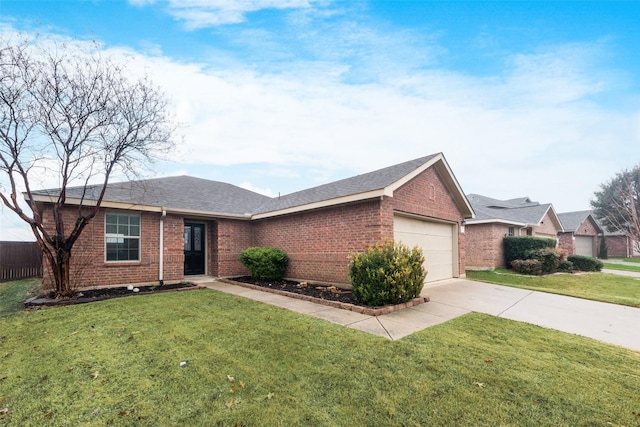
{"x": 193, "y": 248}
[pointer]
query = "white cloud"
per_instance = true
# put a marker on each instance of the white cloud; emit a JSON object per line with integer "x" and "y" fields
{"x": 207, "y": 13}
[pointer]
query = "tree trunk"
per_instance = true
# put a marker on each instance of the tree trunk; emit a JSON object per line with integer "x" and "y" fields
{"x": 60, "y": 262}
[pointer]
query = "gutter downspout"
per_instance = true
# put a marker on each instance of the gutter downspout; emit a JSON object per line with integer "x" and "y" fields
{"x": 161, "y": 258}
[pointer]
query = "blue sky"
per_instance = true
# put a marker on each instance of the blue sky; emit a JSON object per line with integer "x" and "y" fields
{"x": 538, "y": 99}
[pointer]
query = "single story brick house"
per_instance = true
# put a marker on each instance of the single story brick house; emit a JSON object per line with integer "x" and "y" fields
{"x": 168, "y": 229}
{"x": 580, "y": 233}
{"x": 496, "y": 219}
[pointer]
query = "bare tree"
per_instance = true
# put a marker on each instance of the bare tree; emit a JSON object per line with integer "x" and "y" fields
{"x": 617, "y": 204}
{"x": 74, "y": 115}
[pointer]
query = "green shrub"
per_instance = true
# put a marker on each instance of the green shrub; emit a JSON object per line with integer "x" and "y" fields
{"x": 265, "y": 263}
{"x": 527, "y": 266}
{"x": 387, "y": 273}
{"x": 549, "y": 259}
{"x": 516, "y": 247}
{"x": 566, "y": 266}
{"x": 585, "y": 263}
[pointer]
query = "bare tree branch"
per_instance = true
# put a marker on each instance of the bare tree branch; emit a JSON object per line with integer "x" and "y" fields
{"x": 78, "y": 116}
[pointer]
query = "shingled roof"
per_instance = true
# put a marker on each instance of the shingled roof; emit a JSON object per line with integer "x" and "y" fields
{"x": 572, "y": 220}
{"x": 521, "y": 211}
{"x": 376, "y": 180}
{"x": 188, "y": 194}
{"x": 181, "y": 193}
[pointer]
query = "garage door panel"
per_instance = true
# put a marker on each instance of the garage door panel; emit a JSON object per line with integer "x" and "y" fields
{"x": 438, "y": 258}
{"x": 584, "y": 245}
{"x": 436, "y": 241}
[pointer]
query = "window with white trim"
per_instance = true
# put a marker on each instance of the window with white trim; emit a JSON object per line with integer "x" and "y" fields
{"x": 511, "y": 231}
{"x": 122, "y": 237}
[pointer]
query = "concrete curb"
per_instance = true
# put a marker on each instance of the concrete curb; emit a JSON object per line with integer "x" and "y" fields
{"x": 369, "y": 311}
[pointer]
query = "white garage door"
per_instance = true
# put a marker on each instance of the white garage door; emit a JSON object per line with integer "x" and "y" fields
{"x": 436, "y": 241}
{"x": 584, "y": 245}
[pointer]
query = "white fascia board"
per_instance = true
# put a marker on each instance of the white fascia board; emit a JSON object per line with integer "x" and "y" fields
{"x": 324, "y": 203}
{"x": 143, "y": 208}
{"x": 495, "y": 220}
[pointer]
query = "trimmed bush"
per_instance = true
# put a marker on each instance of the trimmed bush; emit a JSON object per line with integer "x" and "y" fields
{"x": 527, "y": 266}
{"x": 566, "y": 266}
{"x": 585, "y": 263}
{"x": 549, "y": 259}
{"x": 265, "y": 263}
{"x": 516, "y": 247}
{"x": 387, "y": 273}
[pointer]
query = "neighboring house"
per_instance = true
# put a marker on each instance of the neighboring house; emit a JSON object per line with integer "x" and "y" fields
{"x": 496, "y": 219}
{"x": 580, "y": 233}
{"x": 168, "y": 229}
{"x": 620, "y": 246}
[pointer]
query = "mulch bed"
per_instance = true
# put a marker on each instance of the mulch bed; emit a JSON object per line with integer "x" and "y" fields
{"x": 99, "y": 294}
{"x": 326, "y": 292}
{"x": 323, "y": 294}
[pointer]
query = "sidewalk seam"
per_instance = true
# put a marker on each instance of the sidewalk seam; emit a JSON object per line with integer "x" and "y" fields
{"x": 514, "y": 304}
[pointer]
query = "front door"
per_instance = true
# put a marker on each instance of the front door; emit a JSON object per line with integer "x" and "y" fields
{"x": 193, "y": 248}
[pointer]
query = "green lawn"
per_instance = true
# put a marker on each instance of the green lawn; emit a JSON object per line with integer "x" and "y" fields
{"x": 117, "y": 362}
{"x": 604, "y": 287}
{"x": 623, "y": 267}
{"x": 13, "y": 294}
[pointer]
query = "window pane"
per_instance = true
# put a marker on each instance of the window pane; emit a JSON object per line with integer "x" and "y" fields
{"x": 187, "y": 238}
{"x": 122, "y": 242}
{"x": 197, "y": 240}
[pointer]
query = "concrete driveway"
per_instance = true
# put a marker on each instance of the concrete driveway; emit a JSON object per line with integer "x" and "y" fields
{"x": 614, "y": 324}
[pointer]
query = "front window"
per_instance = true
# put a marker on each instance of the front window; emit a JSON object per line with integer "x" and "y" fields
{"x": 511, "y": 231}
{"x": 122, "y": 237}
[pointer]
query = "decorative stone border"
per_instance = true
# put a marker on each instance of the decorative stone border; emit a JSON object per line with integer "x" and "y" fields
{"x": 369, "y": 311}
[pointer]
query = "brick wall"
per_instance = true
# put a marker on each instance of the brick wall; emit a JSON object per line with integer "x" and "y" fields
{"x": 619, "y": 246}
{"x": 233, "y": 237}
{"x": 88, "y": 265}
{"x": 318, "y": 242}
{"x": 566, "y": 243}
{"x": 485, "y": 247}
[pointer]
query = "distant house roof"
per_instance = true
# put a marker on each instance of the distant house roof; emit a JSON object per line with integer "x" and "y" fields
{"x": 521, "y": 211}
{"x": 199, "y": 196}
{"x": 571, "y": 221}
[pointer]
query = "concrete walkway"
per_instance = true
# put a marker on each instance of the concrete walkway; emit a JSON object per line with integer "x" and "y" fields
{"x": 611, "y": 323}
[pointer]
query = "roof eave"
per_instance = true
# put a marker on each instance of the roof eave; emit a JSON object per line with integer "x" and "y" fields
{"x": 142, "y": 208}
{"x": 323, "y": 204}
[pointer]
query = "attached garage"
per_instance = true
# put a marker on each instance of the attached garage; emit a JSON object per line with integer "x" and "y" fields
{"x": 438, "y": 241}
{"x": 585, "y": 245}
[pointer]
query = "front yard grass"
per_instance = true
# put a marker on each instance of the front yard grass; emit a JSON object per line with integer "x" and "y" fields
{"x": 14, "y": 293}
{"x": 623, "y": 267}
{"x": 603, "y": 287}
{"x": 247, "y": 363}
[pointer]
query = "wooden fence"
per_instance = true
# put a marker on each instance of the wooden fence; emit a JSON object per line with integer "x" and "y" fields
{"x": 20, "y": 260}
